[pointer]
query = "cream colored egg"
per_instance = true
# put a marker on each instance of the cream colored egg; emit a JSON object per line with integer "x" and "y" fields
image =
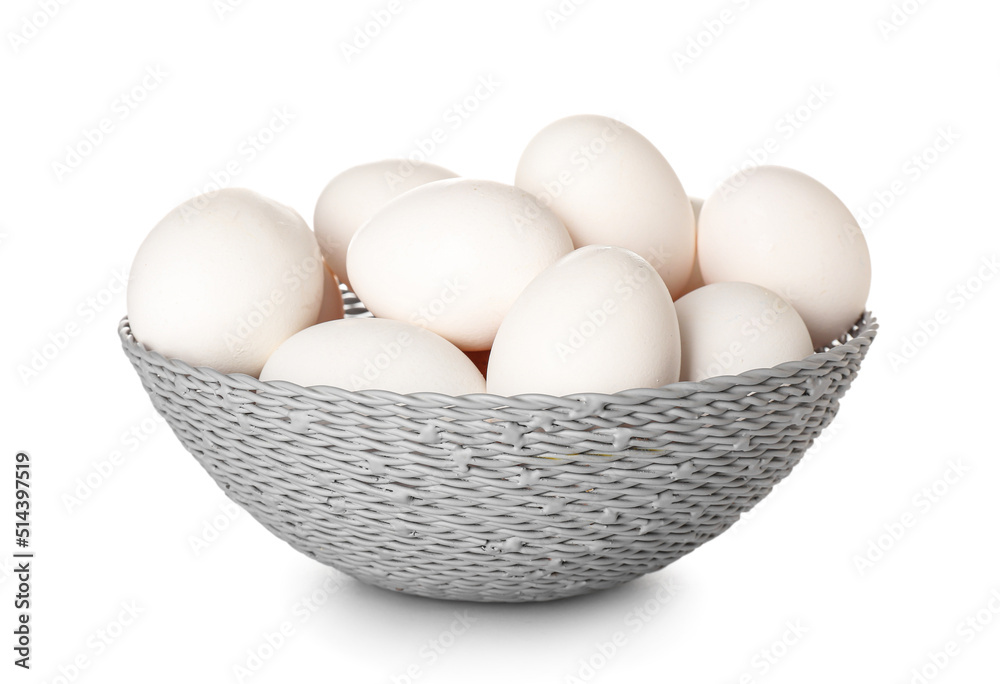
{"x": 332, "y": 308}
{"x": 224, "y": 279}
{"x": 598, "y": 320}
{"x": 780, "y": 229}
{"x": 728, "y": 328}
{"x": 452, "y": 257}
{"x": 370, "y": 353}
{"x": 353, "y": 197}
{"x": 611, "y": 186}
{"x": 696, "y": 280}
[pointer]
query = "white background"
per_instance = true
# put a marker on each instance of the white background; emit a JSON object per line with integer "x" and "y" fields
{"x": 915, "y": 440}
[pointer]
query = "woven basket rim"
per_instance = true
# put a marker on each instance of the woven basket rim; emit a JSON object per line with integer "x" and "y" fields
{"x": 860, "y": 334}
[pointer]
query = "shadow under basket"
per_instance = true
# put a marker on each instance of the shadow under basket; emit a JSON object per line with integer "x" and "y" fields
{"x": 488, "y": 498}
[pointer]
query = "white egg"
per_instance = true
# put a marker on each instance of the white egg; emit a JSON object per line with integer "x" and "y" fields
{"x": 780, "y": 229}
{"x": 695, "y": 280}
{"x": 599, "y": 320}
{"x": 224, "y": 279}
{"x": 353, "y": 197}
{"x": 611, "y": 186}
{"x": 332, "y": 307}
{"x": 371, "y": 353}
{"x": 728, "y": 328}
{"x": 452, "y": 257}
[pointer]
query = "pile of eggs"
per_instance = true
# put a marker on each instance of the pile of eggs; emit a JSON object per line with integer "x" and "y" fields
{"x": 593, "y": 272}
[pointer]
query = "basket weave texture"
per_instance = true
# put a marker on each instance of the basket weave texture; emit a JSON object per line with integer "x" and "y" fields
{"x": 489, "y": 498}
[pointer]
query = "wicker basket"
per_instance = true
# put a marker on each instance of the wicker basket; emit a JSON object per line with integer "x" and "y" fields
{"x": 488, "y": 498}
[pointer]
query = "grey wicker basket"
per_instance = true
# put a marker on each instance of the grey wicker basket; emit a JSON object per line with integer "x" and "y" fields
{"x": 489, "y": 498}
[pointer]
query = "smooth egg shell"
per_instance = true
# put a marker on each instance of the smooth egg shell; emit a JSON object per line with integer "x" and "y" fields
{"x": 729, "y": 328}
{"x": 599, "y": 320}
{"x": 370, "y": 353}
{"x": 224, "y": 279}
{"x": 452, "y": 256}
{"x": 355, "y": 195}
{"x": 780, "y": 229}
{"x": 695, "y": 280}
{"x": 611, "y": 186}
